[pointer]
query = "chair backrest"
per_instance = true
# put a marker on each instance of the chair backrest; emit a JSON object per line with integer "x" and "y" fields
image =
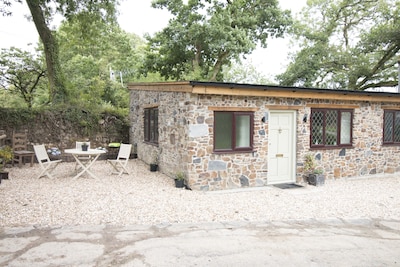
{"x": 124, "y": 151}
{"x": 79, "y": 145}
{"x": 20, "y": 140}
{"x": 41, "y": 153}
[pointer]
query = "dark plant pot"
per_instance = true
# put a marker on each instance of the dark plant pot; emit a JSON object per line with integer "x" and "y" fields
{"x": 84, "y": 148}
{"x": 153, "y": 167}
{"x": 316, "y": 179}
{"x": 3, "y": 176}
{"x": 134, "y": 156}
{"x": 179, "y": 183}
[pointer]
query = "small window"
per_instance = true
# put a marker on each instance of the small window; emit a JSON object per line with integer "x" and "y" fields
{"x": 151, "y": 125}
{"x": 391, "y": 127}
{"x": 331, "y": 127}
{"x": 233, "y": 131}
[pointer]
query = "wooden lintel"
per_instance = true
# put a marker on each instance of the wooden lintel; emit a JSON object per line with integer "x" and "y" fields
{"x": 344, "y": 106}
{"x": 391, "y": 107}
{"x": 151, "y": 105}
{"x": 283, "y": 107}
{"x": 219, "y": 108}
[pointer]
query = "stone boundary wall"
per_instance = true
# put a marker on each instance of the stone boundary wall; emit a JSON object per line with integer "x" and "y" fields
{"x": 63, "y": 135}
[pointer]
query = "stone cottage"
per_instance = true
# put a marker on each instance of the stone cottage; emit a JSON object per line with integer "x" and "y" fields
{"x": 227, "y": 135}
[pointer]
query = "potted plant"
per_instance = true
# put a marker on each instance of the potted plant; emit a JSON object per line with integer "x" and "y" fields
{"x": 179, "y": 180}
{"x": 6, "y": 154}
{"x": 315, "y": 176}
{"x": 154, "y": 164}
{"x": 85, "y": 146}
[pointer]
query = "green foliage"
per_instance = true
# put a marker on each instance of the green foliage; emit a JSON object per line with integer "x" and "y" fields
{"x": 180, "y": 176}
{"x": 345, "y": 44}
{"x": 16, "y": 116}
{"x": 88, "y": 63}
{"x": 204, "y": 36}
{"x": 21, "y": 73}
{"x": 6, "y": 154}
{"x": 310, "y": 166}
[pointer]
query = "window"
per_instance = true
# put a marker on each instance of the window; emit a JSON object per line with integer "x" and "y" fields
{"x": 233, "y": 131}
{"x": 151, "y": 125}
{"x": 331, "y": 127}
{"x": 391, "y": 127}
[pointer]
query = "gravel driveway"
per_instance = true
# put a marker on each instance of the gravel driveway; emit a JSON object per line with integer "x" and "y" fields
{"x": 145, "y": 197}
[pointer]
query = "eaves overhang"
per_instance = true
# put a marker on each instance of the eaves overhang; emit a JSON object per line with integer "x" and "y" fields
{"x": 257, "y": 90}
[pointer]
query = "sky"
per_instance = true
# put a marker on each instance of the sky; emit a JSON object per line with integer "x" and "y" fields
{"x": 137, "y": 16}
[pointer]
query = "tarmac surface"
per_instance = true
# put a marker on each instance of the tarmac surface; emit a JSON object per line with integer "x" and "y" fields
{"x": 328, "y": 242}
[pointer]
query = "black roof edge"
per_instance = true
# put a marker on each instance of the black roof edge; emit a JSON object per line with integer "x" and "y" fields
{"x": 290, "y": 88}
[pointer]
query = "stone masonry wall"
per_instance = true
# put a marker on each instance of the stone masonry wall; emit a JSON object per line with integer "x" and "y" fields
{"x": 173, "y": 109}
{"x": 186, "y": 140}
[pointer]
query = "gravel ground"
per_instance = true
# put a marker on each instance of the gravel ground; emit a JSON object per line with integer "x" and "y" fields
{"x": 145, "y": 197}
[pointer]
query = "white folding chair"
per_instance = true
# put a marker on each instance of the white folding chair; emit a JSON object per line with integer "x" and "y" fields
{"x": 121, "y": 162}
{"x": 45, "y": 163}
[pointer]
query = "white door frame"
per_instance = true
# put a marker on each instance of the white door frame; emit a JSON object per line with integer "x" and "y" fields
{"x": 273, "y": 161}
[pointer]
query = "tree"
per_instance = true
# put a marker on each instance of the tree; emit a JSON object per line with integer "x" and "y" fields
{"x": 21, "y": 72}
{"x": 203, "y": 36}
{"x": 345, "y": 44}
{"x": 87, "y": 61}
{"x": 43, "y": 11}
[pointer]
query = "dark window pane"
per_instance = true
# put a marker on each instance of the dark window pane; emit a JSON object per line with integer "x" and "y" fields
{"x": 388, "y": 127}
{"x": 223, "y": 130}
{"x": 151, "y": 125}
{"x": 317, "y": 121}
{"x": 331, "y": 128}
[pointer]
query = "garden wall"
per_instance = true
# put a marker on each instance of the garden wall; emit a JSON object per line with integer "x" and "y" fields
{"x": 56, "y": 129}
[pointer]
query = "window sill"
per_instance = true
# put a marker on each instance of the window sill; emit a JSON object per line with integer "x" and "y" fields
{"x": 330, "y": 147}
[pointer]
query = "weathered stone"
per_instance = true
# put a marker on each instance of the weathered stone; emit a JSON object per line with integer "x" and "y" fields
{"x": 244, "y": 181}
{"x": 217, "y": 165}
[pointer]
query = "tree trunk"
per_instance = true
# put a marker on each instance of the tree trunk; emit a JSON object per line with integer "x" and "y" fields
{"x": 57, "y": 91}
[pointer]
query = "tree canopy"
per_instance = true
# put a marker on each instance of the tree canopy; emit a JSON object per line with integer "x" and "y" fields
{"x": 21, "y": 72}
{"x": 346, "y": 44}
{"x": 43, "y": 12}
{"x": 203, "y": 36}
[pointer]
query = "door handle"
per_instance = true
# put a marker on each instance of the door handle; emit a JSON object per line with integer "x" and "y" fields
{"x": 279, "y": 155}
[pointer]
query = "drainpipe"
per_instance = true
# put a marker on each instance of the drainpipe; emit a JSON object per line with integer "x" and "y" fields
{"x": 398, "y": 78}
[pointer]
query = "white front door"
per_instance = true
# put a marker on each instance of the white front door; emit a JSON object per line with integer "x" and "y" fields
{"x": 281, "y": 147}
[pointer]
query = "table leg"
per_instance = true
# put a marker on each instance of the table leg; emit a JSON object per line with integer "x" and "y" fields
{"x": 85, "y": 168}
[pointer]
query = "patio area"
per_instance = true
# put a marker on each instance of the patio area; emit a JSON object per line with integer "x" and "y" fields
{"x": 145, "y": 197}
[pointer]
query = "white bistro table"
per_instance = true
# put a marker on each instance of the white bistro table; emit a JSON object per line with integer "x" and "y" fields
{"x": 76, "y": 153}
